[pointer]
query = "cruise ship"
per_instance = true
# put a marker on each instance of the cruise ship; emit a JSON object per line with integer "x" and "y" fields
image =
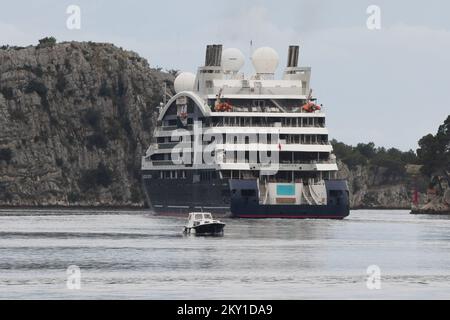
{"x": 251, "y": 147}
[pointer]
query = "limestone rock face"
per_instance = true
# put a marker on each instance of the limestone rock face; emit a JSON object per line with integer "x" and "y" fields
{"x": 376, "y": 187}
{"x": 75, "y": 119}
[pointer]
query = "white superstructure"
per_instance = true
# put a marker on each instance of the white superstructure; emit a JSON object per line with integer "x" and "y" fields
{"x": 242, "y": 110}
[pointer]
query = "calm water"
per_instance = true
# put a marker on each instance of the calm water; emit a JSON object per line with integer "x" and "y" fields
{"x": 130, "y": 255}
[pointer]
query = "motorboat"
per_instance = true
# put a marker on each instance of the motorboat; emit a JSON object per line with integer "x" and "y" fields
{"x": 202, "y": 223}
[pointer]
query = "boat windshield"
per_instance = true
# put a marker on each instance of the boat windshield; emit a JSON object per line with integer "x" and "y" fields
{"x": 207, "y": 216}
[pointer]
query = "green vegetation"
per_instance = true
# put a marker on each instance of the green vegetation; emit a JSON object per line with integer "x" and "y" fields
{"x": 61, "y": 82}
{"x": 6, "y": 155}
{"x": 92, "y": 117}
{"x": 73, "y": 197}
{"x": 47, "y": 42}
{"x": 173, "y": 72}
{"x": 136, "y": 195}
{"x": 59, "y": 162}
{"x": 97, "y": 140}
{"x": 434, "y": 150}
{"x": 105, "y": 90}
{"x": 17, "y": 114}
{"x": 37, "y": 71}
{"x": 368, "y": 154}
{"x": 38, "y": 87}
{"x": 102, "y": 176}
{"x": 7, "y": 92}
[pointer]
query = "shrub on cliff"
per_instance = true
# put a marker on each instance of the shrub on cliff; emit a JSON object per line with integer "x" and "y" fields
{"x": 348, "y": 154}
{"x": 92, "y": 117}
{"x": 38, "y": 87}
{"x": 393, "y": 159}
{"x": 6, "y": 155}
{"x": 97, "y": 140}
{"x": 47, "y": 42}
{"x": 90, "y": 179}
{"x": 434, "y": 151}
{"x": 17, "y": 114}
{"x": 7, "y": 92}
{"x": 105, "y": 90}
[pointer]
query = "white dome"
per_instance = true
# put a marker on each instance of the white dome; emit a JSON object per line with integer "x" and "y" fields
{"x": 185, "y": 81}
{"x": 265, "y": 60}
{"x": 232, "y": 60}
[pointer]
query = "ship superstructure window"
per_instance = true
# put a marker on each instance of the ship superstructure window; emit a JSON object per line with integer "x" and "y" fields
{"x": 316, "y": 122}
{"x": 208, "y": 175}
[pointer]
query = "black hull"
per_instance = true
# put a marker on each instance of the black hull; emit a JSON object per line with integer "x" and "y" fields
{"x": 290, "y": 212}
{"x": 180, "y": 197}
{"x": 208, "y": 229}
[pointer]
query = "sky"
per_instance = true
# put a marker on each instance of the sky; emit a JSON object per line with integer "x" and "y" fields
{"x": 390, "y": 85}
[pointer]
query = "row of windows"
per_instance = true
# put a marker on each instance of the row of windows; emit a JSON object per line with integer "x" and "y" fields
{"x": 182, "y": 174}
{"x": 269, "y": 122}
{"x": 259, "y": 138}
{"x": 255, "y": 122}
{"x": 172, "y": 174}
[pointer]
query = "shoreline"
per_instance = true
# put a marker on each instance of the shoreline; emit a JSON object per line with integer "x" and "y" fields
{"x": 140, "y": 208}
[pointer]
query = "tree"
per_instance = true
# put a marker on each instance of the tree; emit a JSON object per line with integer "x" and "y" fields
{"x": 366, "y": 149}
{"x": 434, "y": 151}
{"x": 367, "y": 153}
{"x": 47, "y": 42}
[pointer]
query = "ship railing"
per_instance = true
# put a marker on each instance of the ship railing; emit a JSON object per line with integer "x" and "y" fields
{"x": 172, "y": 145}
{"x": 270, "y": 110}
{"x": 171, "y": 128}
{"x": 308, "y": 162}
{"x": 269, "y": 125}
{"x": 293, "y": 163}
{"x": 162, "y": 163}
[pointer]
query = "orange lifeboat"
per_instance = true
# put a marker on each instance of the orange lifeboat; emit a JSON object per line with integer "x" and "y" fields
{"x": 223, "y": 107}
{"x": 311, "y": 107}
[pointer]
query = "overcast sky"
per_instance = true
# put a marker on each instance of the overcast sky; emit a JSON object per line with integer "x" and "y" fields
{"x": 390, "y": 86}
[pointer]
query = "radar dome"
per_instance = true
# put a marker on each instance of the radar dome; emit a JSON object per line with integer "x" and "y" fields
{"x": 232, "y": 60}
{"x": 185, "y": 81}
{"x": 265, "y": 60}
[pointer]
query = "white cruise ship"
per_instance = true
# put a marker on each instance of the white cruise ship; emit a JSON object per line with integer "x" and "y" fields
{"x": 254, "y": 147}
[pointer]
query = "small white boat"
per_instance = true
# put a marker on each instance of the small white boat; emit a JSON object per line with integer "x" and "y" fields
{"x": 202, "y": 223}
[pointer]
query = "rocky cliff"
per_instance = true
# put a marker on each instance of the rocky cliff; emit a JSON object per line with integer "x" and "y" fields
{"x": 377, "y": 187}
{"x": 75, "y": 119}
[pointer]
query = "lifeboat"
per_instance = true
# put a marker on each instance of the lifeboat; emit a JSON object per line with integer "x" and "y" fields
{"x": 223, "y": 107}
{"x": 311, "y": 107}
